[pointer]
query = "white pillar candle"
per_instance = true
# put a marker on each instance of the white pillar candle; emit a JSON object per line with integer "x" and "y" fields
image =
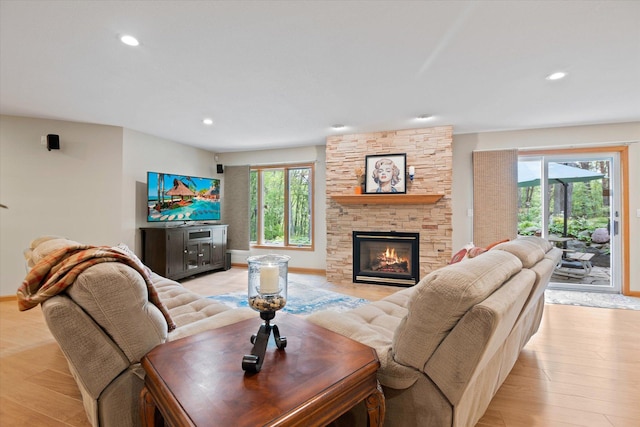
{"x": 269, "y": 275}
{"x": 412, "y": 170}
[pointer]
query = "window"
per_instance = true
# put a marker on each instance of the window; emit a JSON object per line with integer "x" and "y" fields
{"x": 281, "y": 204}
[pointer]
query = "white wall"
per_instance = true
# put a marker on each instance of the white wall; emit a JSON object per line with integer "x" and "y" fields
{"x": 72, "y": 192}
{"x": 315, "y": 259}
{"x": 92, "y": 190}
{"x": 574, "y": 137}
{"x": 142, "y": 153}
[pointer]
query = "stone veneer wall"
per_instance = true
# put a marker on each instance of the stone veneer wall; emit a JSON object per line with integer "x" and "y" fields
{"x": 430, "y": 152}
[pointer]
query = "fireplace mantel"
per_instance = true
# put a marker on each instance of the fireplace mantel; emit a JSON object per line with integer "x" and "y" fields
{"x": 386, "y": 199}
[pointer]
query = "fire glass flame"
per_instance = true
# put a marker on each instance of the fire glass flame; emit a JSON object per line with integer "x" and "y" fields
{"x": 390, "y": 261}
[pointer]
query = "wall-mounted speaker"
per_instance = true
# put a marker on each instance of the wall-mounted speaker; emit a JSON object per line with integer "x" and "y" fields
{"x": 53, "y": 142}
{"x": 219, "y": 168}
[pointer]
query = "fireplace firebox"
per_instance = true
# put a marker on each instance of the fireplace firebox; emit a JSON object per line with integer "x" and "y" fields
{"x": 386, "y": 258}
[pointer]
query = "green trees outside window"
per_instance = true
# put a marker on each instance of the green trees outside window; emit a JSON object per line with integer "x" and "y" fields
{"x": 281, "y": 206}
{"x": 587, "y": 208}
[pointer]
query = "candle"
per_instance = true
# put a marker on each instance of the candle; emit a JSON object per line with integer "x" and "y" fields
{"x": 412, "y": 170}
{"x": 269, "y": 275}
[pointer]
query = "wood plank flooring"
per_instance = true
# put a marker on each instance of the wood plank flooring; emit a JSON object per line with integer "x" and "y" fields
{"x": 582, "y": 368}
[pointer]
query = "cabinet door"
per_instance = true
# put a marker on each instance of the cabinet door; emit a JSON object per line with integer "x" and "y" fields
{"x": 175, "y": 252}
{"x": 219, "y": 246}
{"x": 205, "y": 254}
{"x": 193, "y": 256}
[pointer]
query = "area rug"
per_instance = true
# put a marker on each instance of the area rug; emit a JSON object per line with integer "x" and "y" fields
{"x": 591, "y": 299}
{"x": 301, "y": 299}
{"x": 305, "y": 299}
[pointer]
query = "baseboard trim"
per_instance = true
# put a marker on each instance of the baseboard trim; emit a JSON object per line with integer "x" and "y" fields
{"x": 301, "y": 270}
{"x": 8, "y": 298}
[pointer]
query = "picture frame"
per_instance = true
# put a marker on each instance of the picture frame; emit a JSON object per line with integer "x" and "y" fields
{"x": 391, "y": 168}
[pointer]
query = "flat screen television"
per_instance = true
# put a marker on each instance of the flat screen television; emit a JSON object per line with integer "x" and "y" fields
{"x": 182, "y": 198}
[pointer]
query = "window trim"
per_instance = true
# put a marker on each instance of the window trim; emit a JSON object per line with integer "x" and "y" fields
{"x": 286, "y": 167}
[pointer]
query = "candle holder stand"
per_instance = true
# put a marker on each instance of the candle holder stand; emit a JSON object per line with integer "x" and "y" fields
{"x": 253, "y": 362}
{"x": 267, "y": 294}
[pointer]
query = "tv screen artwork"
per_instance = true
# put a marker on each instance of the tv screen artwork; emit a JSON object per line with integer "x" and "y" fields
{"x": 182, "y": 198}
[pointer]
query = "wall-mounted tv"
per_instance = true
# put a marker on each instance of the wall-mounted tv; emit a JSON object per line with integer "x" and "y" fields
{"x": 182, "y": 198}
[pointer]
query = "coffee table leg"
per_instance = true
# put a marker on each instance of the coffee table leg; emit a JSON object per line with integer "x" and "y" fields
{"x": 149, "y": 413}
{"x": 375, "y": 407}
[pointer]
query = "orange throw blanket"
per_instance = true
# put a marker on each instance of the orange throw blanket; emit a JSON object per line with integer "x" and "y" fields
{"x": 58, "y": 270}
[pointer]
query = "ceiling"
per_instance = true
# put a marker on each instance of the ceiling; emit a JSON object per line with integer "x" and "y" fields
{"x": 277, "y": 74}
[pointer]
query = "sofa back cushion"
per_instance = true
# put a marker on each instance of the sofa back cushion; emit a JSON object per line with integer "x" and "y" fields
{"x": 43, "y": 246}
{"x": 116, "y": 297}
{"x": 529, "y": 249}
{"x": 442, "y": 298}
{"x": 477, "y": 337}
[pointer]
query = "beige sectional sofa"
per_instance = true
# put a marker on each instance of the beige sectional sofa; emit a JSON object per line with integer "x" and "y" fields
{"x": 105, "y": 323}
{"x": 448, "y": 343}
{"x": 445, "y": 345}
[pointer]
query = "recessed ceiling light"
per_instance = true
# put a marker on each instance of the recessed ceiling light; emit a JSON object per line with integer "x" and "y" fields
{"x": 338, "y": 127}
{"x": 207, "y": 121}
{"x": 425, "y": 117}
{"x": 557, "y": 75}
{"x": 129, "y": 40}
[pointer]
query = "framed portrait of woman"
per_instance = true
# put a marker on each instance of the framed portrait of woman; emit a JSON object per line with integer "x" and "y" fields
{"x": 386, "y": 174}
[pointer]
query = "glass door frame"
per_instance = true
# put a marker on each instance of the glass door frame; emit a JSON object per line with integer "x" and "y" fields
{"x": 620, "y": 269}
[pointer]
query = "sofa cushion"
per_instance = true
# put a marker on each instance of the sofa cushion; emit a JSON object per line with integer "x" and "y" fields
{"x": 44, "y": 246}
{"x": 41, "y": 239}
{"x": 374, "y": 325}
{"x": 194, "y": 313}
{"x": 122, "y": 247}
{"x": 530, "y": 249}
{"x": 442, "y": 298}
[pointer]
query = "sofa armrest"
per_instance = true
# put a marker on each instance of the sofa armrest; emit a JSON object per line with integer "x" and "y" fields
{"x": 115, "y": 296}
{"x": 92, "y": 355}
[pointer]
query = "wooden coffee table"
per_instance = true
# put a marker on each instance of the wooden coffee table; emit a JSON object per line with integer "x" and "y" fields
{"x": 199, "y": 381}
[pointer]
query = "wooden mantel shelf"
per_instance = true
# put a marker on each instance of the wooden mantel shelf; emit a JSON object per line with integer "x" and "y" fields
{"x": 386, "y": 199}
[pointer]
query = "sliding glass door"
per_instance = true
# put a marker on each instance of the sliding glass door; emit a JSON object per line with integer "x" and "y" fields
{"x": 573, "y": 200}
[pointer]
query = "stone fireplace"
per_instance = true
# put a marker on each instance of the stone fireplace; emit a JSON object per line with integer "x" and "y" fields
{"x": 386, "y": 258}
{"x": 429, "y": 151}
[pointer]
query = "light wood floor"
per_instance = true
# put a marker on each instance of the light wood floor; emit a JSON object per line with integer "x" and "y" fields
{"x": 582, "y": 368}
